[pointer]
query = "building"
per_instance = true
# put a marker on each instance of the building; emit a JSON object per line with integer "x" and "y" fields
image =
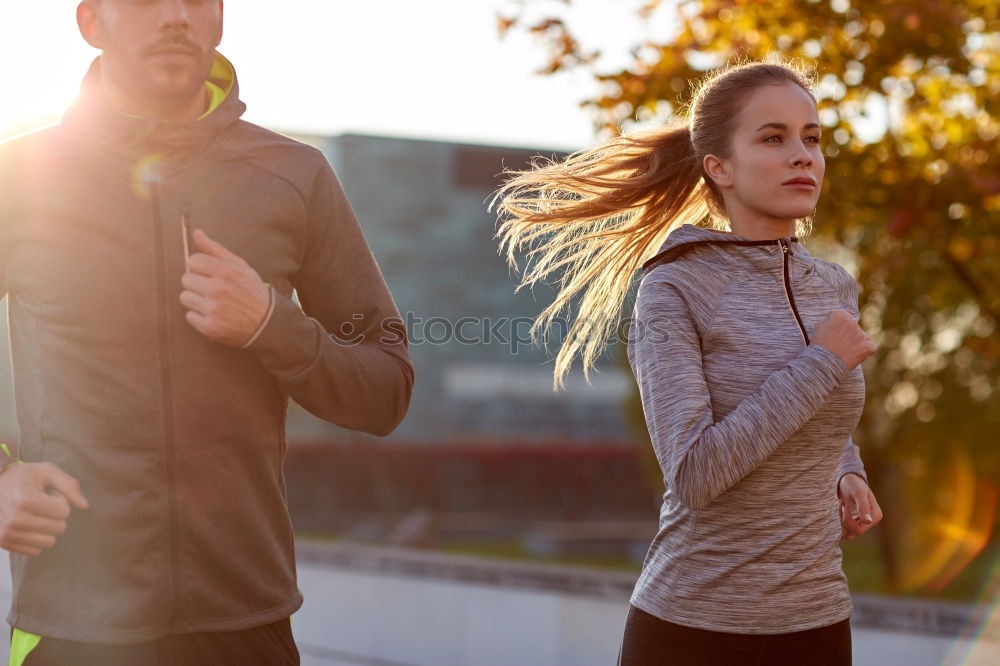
{"x": 424, "y": 209}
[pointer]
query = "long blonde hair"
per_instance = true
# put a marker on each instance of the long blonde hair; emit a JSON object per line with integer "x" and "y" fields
{"x": 591, "y": 220}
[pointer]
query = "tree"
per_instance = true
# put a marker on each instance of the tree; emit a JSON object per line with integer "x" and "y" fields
{"x": 909, "y": 93}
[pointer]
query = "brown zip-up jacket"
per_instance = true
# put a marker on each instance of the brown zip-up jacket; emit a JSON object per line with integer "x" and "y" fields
{"x": 751, "y": 424}
{"x": 178, "y": 441}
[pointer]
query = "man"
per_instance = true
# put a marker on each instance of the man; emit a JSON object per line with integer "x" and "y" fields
{"x": 149, "y": 247}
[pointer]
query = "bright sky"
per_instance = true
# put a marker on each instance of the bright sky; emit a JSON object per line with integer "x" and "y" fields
{"x": 430, "y": 69}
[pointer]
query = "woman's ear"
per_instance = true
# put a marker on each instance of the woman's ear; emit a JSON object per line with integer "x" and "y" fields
{"x": 718, "y": 170}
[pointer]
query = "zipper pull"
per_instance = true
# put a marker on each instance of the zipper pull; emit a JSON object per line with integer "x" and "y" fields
{"x": 185, "y": 235}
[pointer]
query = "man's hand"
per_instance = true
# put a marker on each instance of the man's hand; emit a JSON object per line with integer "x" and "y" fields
{"x": 225, "y": 297}
{"x": 859, "y": 511}
{"x": 35, "y": 502}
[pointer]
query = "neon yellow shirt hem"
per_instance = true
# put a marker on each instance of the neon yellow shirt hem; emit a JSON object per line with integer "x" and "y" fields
{"x": 21, "y": 645}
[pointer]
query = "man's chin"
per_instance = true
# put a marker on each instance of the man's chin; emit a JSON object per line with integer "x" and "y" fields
{"x": 175, "y": 88}
{"x": 182, "y": 76}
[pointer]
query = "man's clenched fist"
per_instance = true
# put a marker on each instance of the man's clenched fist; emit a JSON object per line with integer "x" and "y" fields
{"x": 35, "y": 502}
{"x": 225, "y": 297}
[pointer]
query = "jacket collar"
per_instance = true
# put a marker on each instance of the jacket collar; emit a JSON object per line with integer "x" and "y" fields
{"x": 92, "y": 116}
{"x": 761, "y": 254}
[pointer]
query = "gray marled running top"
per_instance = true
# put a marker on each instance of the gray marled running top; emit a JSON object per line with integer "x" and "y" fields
{"x": 752, "y": 429}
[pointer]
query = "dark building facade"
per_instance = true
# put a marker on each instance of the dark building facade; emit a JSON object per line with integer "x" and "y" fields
{"x": 424, "y": 209}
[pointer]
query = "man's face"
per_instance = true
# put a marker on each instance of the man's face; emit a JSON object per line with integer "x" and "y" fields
{"x": 160, "y": 49}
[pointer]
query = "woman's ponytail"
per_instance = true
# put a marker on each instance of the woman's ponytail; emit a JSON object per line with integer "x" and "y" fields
{"x": 590, "y": 221}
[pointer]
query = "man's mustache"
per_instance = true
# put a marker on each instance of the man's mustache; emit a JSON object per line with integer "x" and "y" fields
{"x": 176, "y": 41}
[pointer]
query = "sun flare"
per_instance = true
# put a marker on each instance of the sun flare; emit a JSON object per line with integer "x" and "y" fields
{"x": 42, "y": 60}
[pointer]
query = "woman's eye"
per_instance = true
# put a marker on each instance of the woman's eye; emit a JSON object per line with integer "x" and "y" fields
{"x": 773, "y": 139}
{"x": 812, "y": 139}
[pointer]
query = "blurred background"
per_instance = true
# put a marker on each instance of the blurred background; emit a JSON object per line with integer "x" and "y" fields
{"x": 504, "y": 523}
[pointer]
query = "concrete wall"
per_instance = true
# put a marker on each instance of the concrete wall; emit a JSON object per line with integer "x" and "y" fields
{"x": 392, "y": 606}
{"x": 400, "y": 619}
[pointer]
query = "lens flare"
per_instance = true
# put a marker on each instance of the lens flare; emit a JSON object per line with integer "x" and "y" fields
{"x": 145, "y": 173}
{"x": 979, "y": 645}
{"x": 954, "y": 526}
{"x": 956, "y": 532}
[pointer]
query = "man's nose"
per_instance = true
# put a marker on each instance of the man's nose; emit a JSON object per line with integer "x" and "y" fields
{"x": 174, "y": 14}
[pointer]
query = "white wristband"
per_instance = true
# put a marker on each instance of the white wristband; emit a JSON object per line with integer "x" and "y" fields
{"x": 267, "y": 318}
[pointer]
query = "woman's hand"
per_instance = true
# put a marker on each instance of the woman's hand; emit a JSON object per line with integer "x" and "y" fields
{"x": 842, "y": 335}
{"x": 859, "y": 511}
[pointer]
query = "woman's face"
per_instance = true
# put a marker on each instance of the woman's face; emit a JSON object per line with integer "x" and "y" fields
{"x": 775, "y": 166}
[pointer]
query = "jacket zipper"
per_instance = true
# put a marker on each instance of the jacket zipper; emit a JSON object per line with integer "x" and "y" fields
{"x": 783, "y": 244}
{"x": 168, "y": 426}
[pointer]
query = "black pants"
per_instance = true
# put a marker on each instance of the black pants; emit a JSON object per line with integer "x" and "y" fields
{"x": 650, "y": 641}
{"x": 269, "y": 645}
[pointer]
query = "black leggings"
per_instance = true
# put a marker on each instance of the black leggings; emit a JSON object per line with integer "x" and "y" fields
{"x": 269, "y": 645}
{"x": 650, "y": 641}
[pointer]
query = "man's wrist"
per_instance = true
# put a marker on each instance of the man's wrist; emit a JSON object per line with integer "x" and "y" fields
{"x": 265, "y": 320}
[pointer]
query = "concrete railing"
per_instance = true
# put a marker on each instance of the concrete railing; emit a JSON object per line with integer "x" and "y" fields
{"x": 398, "y": 606}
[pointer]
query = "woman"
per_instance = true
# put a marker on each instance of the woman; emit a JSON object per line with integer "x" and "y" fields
{"x": 746, "y": 350}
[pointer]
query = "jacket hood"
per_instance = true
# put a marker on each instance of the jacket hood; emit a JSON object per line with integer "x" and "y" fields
{"x": 91, "y": 115}
{"x": 689, "y": 236}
